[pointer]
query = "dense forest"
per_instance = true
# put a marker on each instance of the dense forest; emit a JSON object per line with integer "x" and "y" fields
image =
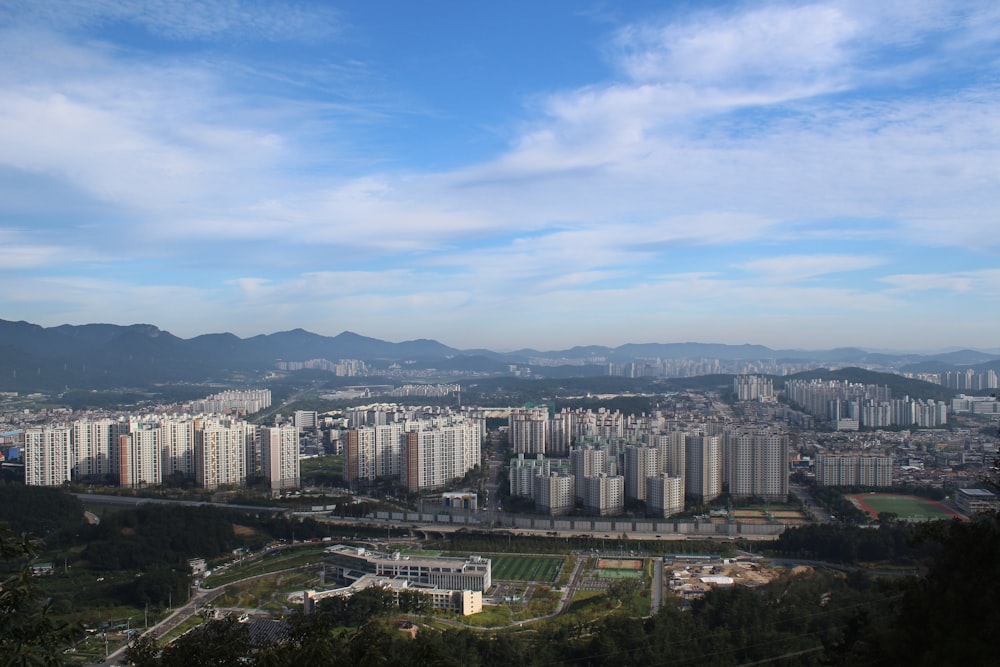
{"x": 155, "y": 541}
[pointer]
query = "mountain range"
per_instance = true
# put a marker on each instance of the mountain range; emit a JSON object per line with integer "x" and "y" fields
{"x": 94, "y": 356}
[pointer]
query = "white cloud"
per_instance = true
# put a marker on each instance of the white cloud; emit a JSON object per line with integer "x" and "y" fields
{"x": 770, "y": 46}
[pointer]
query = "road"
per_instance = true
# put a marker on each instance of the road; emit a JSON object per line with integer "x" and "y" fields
{"x": 656, "y": 601}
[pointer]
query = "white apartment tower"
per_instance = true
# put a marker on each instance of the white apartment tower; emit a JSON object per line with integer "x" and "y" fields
{"x": 757, "y": 465}
{"x": 703, "y": 478}
{"x": 177, "y": 438}
{"x": 554, "y": 493}
{"x": 140, "y": 456}
{"x": 438, "y": 451}
{"x": 48, "y": 455}
{"x": 605, "y": 495}
{"x": 527, "y": 430}
{"x": 586, "y": 462}
{"x": 220, "y": 453}
{"x": 279, "y": 447}
{"x": 640, "y": 463}
{"x": 523, "y": 472}
{"x": 95, "y": 448}
{"x": 664, "y": 495}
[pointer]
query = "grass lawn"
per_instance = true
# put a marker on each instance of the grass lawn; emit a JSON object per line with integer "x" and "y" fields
{"x": 272, "y": 562}
{"x": 906, "y": 507}
{"x": 619, "y": 574}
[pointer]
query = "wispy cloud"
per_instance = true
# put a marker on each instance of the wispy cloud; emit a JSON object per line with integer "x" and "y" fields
{"x": 800, "y": 267}
{"x": 185, "y": 19}
{"x": 983, "y": 283}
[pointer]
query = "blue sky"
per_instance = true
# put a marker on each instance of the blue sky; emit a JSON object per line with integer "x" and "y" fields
{"x": 506, "y": 175}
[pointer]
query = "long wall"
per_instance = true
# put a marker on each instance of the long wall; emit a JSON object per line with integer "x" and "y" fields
{"x": 612, "y": 527}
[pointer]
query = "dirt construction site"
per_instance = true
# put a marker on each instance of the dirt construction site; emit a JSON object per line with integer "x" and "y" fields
{"x": 692, "y": 576}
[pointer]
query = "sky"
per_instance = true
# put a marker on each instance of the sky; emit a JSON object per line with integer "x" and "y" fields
{"x": 506, "y": 174}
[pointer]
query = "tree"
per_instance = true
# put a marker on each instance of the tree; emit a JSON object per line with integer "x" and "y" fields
{"x": 949, "y": 616}
{"x": 28, "y": 635}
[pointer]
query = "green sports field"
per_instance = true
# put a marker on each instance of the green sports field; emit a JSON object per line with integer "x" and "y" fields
{"x": 526, "y": 568}
{"x": 910, "y": 508}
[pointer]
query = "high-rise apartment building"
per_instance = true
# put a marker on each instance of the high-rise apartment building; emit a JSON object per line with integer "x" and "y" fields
{"x": 757, "y": 465}
{"x": 753, "y": 388}
{"x": 95, "y": 448}
{"x": 48, "y": 455}
{"x": 177, "y": 438}
{"x": 554, "y": 493}
{"x": 640, "y": 463}
{"x": 605, "y": 495}
{"x": 220, "y": 453}
{"x": 279, "y": 447}
{"x": 439, "y": 451}
{"x": 140, "y": 455}
{"x": 523, "y": 472}
{"x": 586, "y": 462}
{"x": 672, "y": 447}
{"x": 703, "y": 477}
{"x": 664, "y": 495}
{"x": 527, "y": 430}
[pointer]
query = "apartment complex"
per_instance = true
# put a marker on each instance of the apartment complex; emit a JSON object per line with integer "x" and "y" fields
{"x": 868, "y": 471}
{"x": 421, "y": 451}
{"x": 145, "y": 450}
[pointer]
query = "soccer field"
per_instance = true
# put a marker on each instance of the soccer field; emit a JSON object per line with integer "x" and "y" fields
{"x": 526, "y": 568}
{"x": 906, "y": 507}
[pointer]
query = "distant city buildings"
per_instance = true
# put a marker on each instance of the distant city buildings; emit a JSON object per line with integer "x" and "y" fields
{"x": 240, "y": 402}
{"x": 753, "y": 388}
{"x": 850, "y": 406}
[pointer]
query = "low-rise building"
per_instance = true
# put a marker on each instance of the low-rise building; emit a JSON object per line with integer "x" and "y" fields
{"x": 974, "y": 501}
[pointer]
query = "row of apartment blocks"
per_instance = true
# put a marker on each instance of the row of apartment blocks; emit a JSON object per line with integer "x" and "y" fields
{"x": 850, "y": 406}
{"x": 753, "y": 388}
{"x": 968, "y": 379}
{"x": 342, "y": 368}
{"x": 537, "y": 431}
{"x": 241, "y": 402}
{"x": 421, "y": 449}
{"x": 658, "y": 367}
{"x": 659, "y": 471}
{"x": 870, "y": 471}
{"x": 141, "y": 451}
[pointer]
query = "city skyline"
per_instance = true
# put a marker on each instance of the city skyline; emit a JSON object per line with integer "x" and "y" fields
{"x": 800, "y": 175}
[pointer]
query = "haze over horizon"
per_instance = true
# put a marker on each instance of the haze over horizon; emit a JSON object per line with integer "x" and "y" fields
{"x": 801, "y": 175}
